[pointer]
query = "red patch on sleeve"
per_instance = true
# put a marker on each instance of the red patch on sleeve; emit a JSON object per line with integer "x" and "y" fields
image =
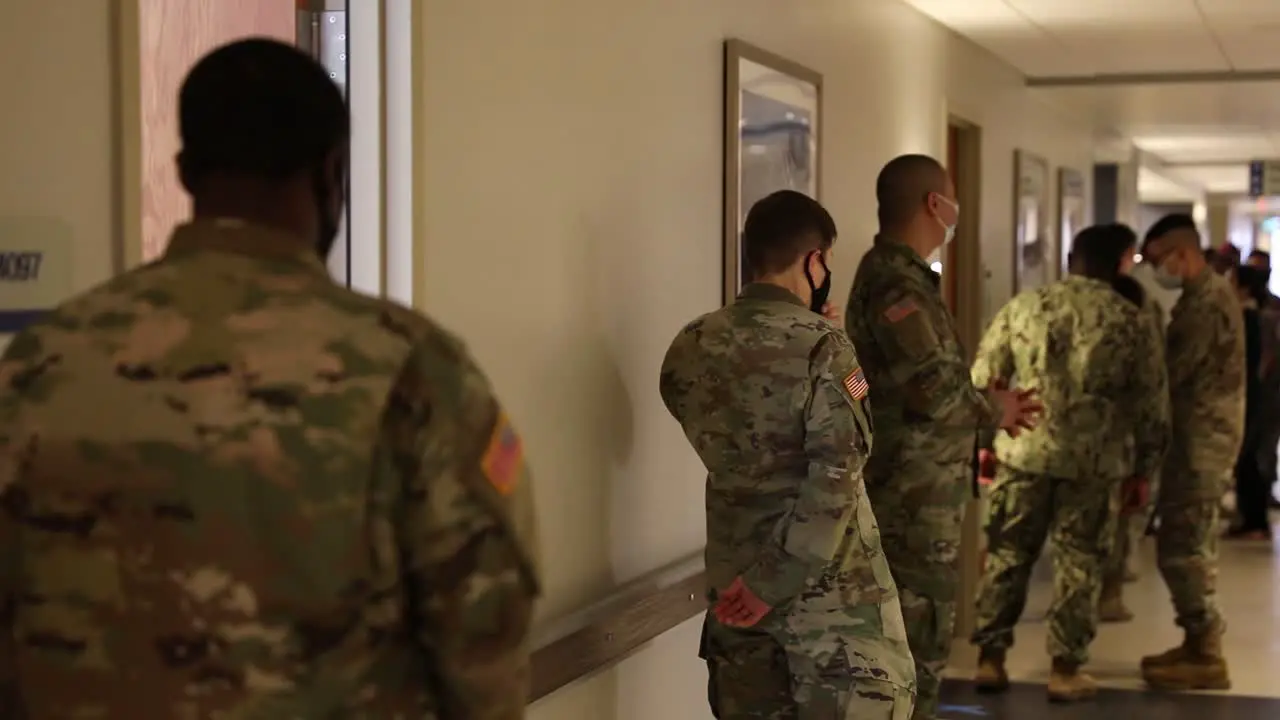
{"x": 900, "y": 310}
{"x": 503, "y": 461}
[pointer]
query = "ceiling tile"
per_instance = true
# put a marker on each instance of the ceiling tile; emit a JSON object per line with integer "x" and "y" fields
{"x": 1237, "y": 13}
{"x": 964, "y": 16}
{"x": 1222, "y": 178}
{"x": 1032, "y": 55}
{"x": 1252, "y": 49}
{"x": 1204, "y": 148}
{"x": 1147, "y": 52}
{"x": 1056, "y": 15}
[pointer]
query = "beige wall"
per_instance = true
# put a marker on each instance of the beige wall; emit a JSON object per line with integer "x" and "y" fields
{"x": 572, "y": 206}
{"x": 56, "y": 125}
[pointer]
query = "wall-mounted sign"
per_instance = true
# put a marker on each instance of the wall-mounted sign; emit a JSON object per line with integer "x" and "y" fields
{"x": 35, "y": 268}
{"x": 1264, "y": 178}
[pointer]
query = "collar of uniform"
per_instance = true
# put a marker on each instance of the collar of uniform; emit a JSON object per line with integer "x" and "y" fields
{"x": 1078, "y": 279}
{"x": 769, "y": 291}
{"x": 900, "y": 250}
{"x": 1200, "y": 280}
{"x": 232, "y": 235}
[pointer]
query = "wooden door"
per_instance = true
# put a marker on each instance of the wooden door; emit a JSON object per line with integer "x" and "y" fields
{"x": 173, "y": 35}
{"x": 949, "y": 258}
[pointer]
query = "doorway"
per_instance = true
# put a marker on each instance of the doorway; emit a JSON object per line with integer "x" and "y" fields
{"x": 962, "y": 289}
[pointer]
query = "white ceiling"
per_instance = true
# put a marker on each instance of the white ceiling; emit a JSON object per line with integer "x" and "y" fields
{"x": 1204, "y": 133}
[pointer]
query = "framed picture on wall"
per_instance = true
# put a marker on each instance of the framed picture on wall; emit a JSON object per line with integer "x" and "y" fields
{"x": 772, "y": 141}
{"x": 1034, "y": 262}
{"x": 1071, "y": 211}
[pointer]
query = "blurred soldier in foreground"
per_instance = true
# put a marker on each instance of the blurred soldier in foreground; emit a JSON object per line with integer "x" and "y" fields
{"x": 804, "y": 622}
{"x": 233, "y": 488}
{"x": 1205, "y": 357}
{"x": 1111, "y": 607}
{"x": 927, "y": 412}
{"x": 1097, "y": 366}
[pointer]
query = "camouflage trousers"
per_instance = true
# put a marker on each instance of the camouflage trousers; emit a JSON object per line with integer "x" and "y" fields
{"x": 750, "y": 678}
{"x": 1026, "y": 509}
{"x": 1113, "y": 569}
{"x": 920, "y": 509}
{"x": 1187, "y": 554}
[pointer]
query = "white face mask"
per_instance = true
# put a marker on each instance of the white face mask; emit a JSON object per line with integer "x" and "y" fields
{"x": 950, "y": 229}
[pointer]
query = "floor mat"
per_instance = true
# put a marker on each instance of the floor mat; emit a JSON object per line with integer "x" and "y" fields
{"x": 1026, "y": 701}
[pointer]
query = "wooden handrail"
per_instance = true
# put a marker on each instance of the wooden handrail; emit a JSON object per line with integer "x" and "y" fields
{"x": 599, "y": 637}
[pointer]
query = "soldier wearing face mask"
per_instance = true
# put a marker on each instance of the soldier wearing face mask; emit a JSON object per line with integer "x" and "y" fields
{"x": 1206, "y": 362}
{"x": 803, "y": 619}
{"x": 926, "y": 410}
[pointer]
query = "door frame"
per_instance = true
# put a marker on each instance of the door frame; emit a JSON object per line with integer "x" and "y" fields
{"x": 962, "y": 289}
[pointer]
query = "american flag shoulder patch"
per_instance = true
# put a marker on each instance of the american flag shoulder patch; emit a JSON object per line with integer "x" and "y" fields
{"x": 900, "y": 310}
{"x": 503, "y": 461}
{"x": 856, "y": 383}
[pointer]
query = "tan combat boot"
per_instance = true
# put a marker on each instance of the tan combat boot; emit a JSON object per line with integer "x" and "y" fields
{"x": 1111, "y": 607}
{"x": 991, "y": 676}
{"x": 1197, "y": 665}
{"x": 1068, "y": 684}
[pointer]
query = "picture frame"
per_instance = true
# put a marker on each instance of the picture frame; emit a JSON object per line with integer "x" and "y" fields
{"x": 1072, "y": 209}
{"x": 772, "y": 141}
{"x": 1034, "y": 261}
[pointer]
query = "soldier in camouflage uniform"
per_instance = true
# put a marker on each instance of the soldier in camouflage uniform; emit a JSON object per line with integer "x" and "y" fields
{"x": 927, "y": 413}
{"x": 235, "y": 489}
{"x": 1098, "y": 370}
{"x": 1115, "y": 571}
{"x": 1205, "y": 357}
{"x": 804, "y": 623}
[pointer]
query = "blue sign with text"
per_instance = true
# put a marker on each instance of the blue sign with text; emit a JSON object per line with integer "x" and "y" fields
{"x": 35, "y": 269}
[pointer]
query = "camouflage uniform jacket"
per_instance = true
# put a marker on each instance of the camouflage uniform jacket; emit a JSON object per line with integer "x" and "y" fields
{"x": 1153, "y": 314}
{"x": 1095, "y": 360}
{"x": 923, "y": 402}
{"x": 234, "y": 489}
{"x": 1205, "y": 357}
{"x": 771, "y": 397}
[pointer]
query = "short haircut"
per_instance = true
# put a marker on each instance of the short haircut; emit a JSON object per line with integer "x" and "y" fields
{"x": 258, "y": 108}
{"x": 782, "y": 227}
{"x": 903, "y": 185}
{"x": 1097, "y": 250}
{"x": 1167, "y": 224}
{"x": 1262, "y": 255}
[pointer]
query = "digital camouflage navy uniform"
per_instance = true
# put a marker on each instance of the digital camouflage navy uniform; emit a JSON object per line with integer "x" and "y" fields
{"x": 1116, "y": 565}
{"x": 235, "y": 490}
{"x": 927, "y": 417}
{"x": 771, "y": 397}
{"x": 1096, "y": 364}
{"x": 1205, "y": 357}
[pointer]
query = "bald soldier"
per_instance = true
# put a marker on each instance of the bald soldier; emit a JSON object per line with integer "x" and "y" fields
{"x": 1205, "y": 358}
{"x": 804, "y": 621}
{"x": 927, "y": 413}
{"x": 235, "y": 489}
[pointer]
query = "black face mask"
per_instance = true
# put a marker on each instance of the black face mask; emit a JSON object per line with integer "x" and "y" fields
{"x": 820, "y": 292}
{"x": 327, "y": 226}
